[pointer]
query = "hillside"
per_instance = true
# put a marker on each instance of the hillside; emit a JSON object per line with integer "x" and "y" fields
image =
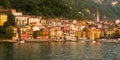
{"x": 109, "y": 9}
{"x": 45, "y": 8}
{"x": 70, "y": 9}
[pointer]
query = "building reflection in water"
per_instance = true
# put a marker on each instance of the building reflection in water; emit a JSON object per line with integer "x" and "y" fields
{"x": 60, "y": 51}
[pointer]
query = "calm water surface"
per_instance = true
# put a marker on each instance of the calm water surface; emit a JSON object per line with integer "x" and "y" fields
{"x": 60, "y": 51}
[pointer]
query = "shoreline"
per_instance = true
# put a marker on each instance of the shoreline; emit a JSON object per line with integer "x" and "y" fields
{"x": 48, "y": 40}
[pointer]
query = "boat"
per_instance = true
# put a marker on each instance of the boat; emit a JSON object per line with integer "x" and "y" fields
{"x": 70, "y": 38}
{"x": 93, "y": 41}
{"x": 21, "y": 40}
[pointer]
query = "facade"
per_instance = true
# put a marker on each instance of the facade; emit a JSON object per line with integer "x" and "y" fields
{"x": 78, "y": 34}
{"x": 34, "y": 21}
{"x": 43, "y": 22}
{"x": 15, "y": 29}
{"x": 58, "y": 28}
{"x": 72, "y": 33}
{"x": 59, "y": 34}
{"x": 25, "y": 33}
{"x": 44, "y": 34}
{"x": 53, "y": 32}
{"x": 94, "y": 34}
{"x": 3, "y": 19}
{"x": 109, "y": 33}
{"x": 21, "y": 20}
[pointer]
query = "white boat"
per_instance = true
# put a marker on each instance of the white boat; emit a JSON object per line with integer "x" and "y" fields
{"x": 21, "y": 40}
{"x": 70, "y": 38}
{"x": 93, "y": 41}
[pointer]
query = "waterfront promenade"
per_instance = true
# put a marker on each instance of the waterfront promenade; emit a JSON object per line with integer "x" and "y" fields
{"x": 55, "y": 40}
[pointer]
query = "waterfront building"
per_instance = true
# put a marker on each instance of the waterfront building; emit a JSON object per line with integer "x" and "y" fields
{"x": 78, "y": 33}
{"x": 15, "y": 29}
{"x": 72, "y": 33}
{"x": 41, "y": 34}
{"x": 59, "y": 34}
{"x": 94, "y": 34}
{"x": 53, "y": 33}
{"x": 25, "y": 32}
{"x": 109, "y": 33}
{"x": 44, "y": 33}
{"x": 65, "y": 30}
{"x": 3, "y": 19}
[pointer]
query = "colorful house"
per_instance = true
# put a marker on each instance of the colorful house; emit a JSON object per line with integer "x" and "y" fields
{"x": 43, "y": 22}
{"x": 44, "y": 34}
{"x": 78, "y": 33}
{"x": 94, "y": 34}
{"x": 53, "y": 32}
{"x": 15, "y": 29}
{"x": 34, "y": 21}
{"x": 21, "y": 20}
{"x": 109, "y": 32}
{"x": 3, "y": 19}
{"x": 59, "y": 34}
{"x": 72, "y": 33}
{"x": 25, "y": 33}
{"x": 65, "y": 30}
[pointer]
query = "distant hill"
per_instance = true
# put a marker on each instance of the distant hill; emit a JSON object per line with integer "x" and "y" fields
{"x": 70, "y": 9}
{"x": 109, "y": 9}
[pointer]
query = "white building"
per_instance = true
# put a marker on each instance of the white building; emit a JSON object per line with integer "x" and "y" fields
{"x": 21, "y": 20}
{"x": 34, "y": 20}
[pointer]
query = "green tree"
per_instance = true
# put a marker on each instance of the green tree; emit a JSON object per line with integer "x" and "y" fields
{"x": 2, "y": 32}
{"x": 85, "y": 29}
{"x": 36, "y": 34}
{"x": 116, "y": 34}
{"x": 11, "y": 19}
{"x": 6, "y": 32}
{"x": 9, "y": 33}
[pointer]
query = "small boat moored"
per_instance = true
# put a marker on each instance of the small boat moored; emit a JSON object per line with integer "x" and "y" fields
{"x": 21, "y": 40}
{"x": 94, "y": 41}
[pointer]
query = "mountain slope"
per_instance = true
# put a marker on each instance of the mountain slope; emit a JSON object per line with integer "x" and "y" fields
{"x": 45, "y": 8}
{"x": 71, "y": 9}
{"x": 109, "y": 9}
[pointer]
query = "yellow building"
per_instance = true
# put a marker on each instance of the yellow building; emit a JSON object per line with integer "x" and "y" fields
{"x": 16, "y": 33}
{"x": 94, "y": 34}
{"x": 53, "y": 33}
{"x": 59, "y": 34}
{"x": 78, "y": 34}
{"x": 109, "y": 32}
{"x": 3, "y": 19}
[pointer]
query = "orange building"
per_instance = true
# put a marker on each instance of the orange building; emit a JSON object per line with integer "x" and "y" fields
{"x": 44, "y": 33}
{"x": 25, "y": 33}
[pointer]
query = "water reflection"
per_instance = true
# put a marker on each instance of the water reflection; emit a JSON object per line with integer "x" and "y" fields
{"x": 60, "y": 51}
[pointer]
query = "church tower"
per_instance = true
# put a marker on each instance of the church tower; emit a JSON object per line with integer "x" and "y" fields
{"x": 97, "y": 15}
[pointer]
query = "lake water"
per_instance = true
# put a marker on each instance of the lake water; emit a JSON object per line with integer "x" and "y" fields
{"x": 60, "y": 51}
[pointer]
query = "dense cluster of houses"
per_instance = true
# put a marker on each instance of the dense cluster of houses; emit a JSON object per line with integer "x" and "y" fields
{"x": 34, "y": 27}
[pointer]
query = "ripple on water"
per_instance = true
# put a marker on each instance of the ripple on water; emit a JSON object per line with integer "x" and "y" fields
{"x": 60, "y": 51}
